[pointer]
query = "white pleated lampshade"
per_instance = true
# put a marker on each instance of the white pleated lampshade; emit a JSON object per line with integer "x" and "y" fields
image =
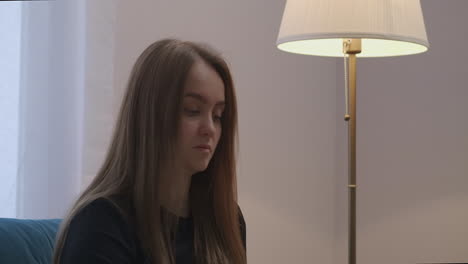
{"x": 385, "y": 27}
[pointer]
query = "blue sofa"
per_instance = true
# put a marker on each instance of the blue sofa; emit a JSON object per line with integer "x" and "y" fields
{"x": 27, "y": 241}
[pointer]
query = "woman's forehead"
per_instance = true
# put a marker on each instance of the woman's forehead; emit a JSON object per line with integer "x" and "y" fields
{"x": 204, "y": 99}
{"x": 204, "y": 84}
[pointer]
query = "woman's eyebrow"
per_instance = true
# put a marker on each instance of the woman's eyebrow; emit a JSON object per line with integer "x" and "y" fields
{"x": 202, "y": 99}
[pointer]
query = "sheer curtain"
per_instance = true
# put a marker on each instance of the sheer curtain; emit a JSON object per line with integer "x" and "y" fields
{"x": 10, "y": 28}
{"x": 65, "y": 102}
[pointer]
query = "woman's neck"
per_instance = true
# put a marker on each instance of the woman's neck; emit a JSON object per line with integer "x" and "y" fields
{"x": 175, "y": 193}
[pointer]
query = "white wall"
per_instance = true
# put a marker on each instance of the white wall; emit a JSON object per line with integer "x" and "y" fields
{"x": 412, "y": 149}
{"x": 412, "y": 137}
{"x": 99, "y": 93}
{"x": 286, "y": 114}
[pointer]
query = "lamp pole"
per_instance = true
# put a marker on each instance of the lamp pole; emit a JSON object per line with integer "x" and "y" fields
{"x": 352, "y": 47}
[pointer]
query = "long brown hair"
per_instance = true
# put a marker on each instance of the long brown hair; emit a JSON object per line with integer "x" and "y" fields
{"x": 141, "y": 149}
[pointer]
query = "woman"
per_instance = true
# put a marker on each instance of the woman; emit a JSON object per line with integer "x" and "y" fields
{"x": 166, "y": 192}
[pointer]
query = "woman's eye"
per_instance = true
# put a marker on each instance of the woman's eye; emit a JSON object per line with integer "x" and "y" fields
{"x": 218, "y": 118}
{"x": 192, "y": 112}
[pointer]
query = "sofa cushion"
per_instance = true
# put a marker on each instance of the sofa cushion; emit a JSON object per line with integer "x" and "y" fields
{"x": 27, "y": 241}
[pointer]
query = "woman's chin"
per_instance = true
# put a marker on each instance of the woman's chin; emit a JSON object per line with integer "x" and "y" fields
{"x": 202, "y": 168}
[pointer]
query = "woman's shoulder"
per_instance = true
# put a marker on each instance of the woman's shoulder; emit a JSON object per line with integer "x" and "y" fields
{"x": 102, "y": 203}
{"x": 99, "y": 229}
{"x": 243, "y": 228}
{"x": 102, "y": 207}
{"x": 241, "y": 216}
{"x": 103, "y": 215}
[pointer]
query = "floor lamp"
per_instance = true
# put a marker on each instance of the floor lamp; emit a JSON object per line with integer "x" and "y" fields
{"x": 350, "y": 29}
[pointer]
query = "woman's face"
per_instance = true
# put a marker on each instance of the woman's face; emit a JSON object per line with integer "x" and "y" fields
{"x": 200, "y": 122}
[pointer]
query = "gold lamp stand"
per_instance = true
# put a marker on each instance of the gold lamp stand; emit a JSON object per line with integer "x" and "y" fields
{"x": 351, "y": 47}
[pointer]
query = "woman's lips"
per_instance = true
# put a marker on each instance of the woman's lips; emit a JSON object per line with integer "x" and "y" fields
{"x": 205, "y": 149}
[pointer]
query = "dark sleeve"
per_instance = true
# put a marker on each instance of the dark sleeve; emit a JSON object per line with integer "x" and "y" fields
{"x": 243, "y": 228}
{"x": 98, "y": 234}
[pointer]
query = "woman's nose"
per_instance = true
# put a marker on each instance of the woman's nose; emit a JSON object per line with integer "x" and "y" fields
{"x": 208, "y": 126}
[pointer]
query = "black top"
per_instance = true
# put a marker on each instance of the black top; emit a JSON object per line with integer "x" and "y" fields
{"x": 100, "y": 233}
